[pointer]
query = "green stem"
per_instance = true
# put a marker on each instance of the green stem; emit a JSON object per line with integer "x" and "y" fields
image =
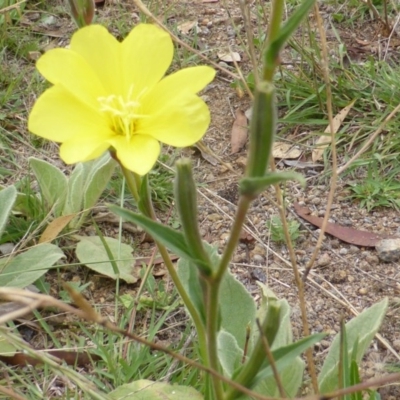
{"x": 240, "y": 218}
{"x": 211, "y": 299}
{"x": 212, "y": 292}
{"x": 133, "y": 182}
{"x": 273, "y": 33}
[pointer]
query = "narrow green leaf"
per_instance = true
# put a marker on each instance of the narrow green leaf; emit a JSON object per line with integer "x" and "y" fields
{"x": 250, "y": 186}
{"x": 52, "y": 182}
{"x": 354, "y": 380}
{"x": 7, "y": 200}
{"x": 169, "y": 237}
{"x": 273, "y": 50}
{"x": 284, "y": 357}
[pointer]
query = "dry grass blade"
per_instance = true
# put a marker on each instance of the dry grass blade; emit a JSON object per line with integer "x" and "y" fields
{"x": 324, "y": 140}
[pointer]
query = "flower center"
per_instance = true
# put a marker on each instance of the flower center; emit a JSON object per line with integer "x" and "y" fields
{"x": 124, "y": 113}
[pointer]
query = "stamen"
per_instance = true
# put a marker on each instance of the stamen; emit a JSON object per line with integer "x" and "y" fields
{"x": 123, "y": 112}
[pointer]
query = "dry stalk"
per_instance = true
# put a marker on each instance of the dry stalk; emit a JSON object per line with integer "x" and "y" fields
{"x": 325, "y": 69}
{"x": 370, "y": 140}
{"x": 86, "y": 312}
{"x": 12, "y": 7}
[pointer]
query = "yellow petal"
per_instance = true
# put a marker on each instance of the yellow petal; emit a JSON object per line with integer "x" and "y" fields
{"x": 62, "y": 66}
{"x": 102, "y": 52}
{"x": 83, "y": 148}
{"x": 57, "y": 115}
{"x": 190, "y": 80}
{"x": 139, "y": 154}
{"x": 146, "y": 55}
{"x": 180, "y": 123}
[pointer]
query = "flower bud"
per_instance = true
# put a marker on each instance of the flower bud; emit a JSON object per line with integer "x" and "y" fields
{"x": 82, "y": 11}
{"x": 186, "y": 202}
{"x": 262, "y": 130}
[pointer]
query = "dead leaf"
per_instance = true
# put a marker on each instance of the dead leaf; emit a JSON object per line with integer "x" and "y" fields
{"x": 79, "y": 359}
{"x": 324, "y": 140}
{"x": 229, "y": 56}
{"x": 145, "y": 260}
{"x": 302, "y": 164}
{"x": 210, "y": 156}
{"x": 348, "y": 235}
{"x": 285, "y": 151}
{"x": 186, "y": 27}
{"x": 55, "y": 227}
{"x": 239, "y": 132}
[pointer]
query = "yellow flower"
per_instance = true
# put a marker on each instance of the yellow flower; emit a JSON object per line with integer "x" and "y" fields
{"x": 110, "y": 94}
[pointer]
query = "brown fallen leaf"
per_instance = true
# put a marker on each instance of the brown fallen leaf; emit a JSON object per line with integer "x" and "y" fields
{"x": 348, "y": 235}
{"x": 285, "y": 151}
{"x": 239, "y": 132}
{"x": 324, "y": 140}
{"x": 79, "y": 359}
{"x": 145, "y": 260}
{"x": 55, "y": 227}
{"x": 210, "y": 156}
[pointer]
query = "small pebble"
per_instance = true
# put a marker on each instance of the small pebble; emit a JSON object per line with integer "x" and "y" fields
{"x": 363, "y": 291}
{"x": 316, "y": 201}
{"x": 343, "y": 251}
{"x": 388, "y": 250}
{"x": 258, "y": 259}
{"x": 324, "y": 260}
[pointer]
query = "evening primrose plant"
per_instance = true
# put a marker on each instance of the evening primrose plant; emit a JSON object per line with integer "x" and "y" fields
{"x": 110, "y": 96}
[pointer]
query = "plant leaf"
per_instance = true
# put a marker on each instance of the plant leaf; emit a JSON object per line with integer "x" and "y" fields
{"x": 7, "y": 200}
{"x": 74, "y": 201}
{"x": 360, "y": 329}
{"x": 52, "y": 182}
{"x": 254, "y": 186}
{"x": 149, "y": 390}
{"x": 174, "y": 240}
{"x": 236, "y": 301}
{"x": 97, "y": 179}
{"x": 91, "y": 252}
{"x": 229, "y": 353}
{"x": 55, "y": 227}
{"x": 26, "y": 268}
{"x": 291, "y": 378}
